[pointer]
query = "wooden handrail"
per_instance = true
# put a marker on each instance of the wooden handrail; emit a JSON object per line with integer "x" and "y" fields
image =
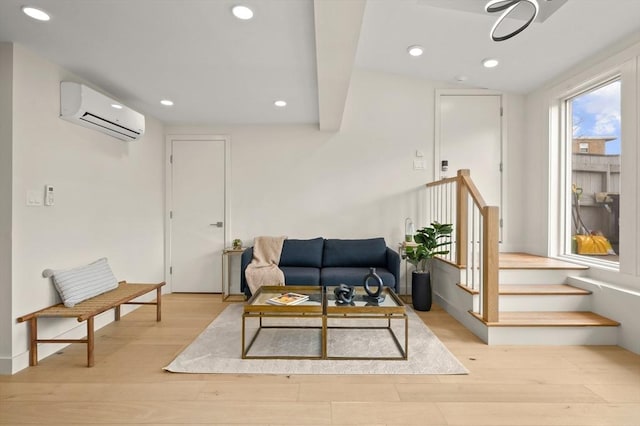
{"x": 465, "y": 189}
{"x": 473, "y": 191}
{"x": 442, "y": 181}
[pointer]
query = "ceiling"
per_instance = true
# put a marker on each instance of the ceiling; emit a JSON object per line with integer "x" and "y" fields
{"x": 220, "y": 70}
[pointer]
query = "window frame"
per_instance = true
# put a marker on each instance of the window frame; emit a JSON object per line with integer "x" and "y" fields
{"x": 561, "y": 138}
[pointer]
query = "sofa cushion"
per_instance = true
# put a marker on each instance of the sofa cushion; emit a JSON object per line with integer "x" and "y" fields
{"x": 302, "y": 253}
{"x": 354, "y": 276}
{"x": 365, "y": 253}
{"x": 297, "y": 275}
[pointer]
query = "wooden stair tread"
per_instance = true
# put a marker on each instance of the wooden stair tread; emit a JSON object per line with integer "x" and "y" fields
{"x": 551, "y": 319}
{"x": 534, "y": 290}
{"x": 530, "y": 261}
{"x": 541, "y": 289}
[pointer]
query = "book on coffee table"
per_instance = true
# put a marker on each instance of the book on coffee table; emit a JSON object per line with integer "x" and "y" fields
{"x": 288, "y": 299}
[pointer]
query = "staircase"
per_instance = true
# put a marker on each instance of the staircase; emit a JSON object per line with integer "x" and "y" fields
{"x": 507, "y": 298}
{"x": 537, "y": 306}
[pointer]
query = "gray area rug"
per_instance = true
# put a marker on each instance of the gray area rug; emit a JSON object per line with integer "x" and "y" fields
{"x": 218, "y": 348}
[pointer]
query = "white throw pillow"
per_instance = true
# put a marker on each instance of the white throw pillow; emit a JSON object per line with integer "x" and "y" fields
{"x": 84, "y": 282}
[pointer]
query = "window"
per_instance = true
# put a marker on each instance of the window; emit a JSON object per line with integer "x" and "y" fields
{"x": 593, "y": 172}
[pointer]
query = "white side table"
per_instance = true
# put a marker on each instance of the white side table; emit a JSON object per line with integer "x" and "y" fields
{"x": 406, "y": 296}
{"x": 227, "y": 290}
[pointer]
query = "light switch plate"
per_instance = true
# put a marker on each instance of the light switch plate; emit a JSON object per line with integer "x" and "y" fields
{"x": 34, "y": 198}
{"x": 418, "y": 165}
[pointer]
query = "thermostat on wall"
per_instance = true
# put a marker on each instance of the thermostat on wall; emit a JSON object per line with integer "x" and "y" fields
{"x": 48, "y": 195}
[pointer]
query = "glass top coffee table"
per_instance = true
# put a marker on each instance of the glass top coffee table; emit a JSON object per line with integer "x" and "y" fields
{"x": 325, "y": 320}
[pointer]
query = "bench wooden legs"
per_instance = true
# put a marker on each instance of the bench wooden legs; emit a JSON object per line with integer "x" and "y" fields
{"x": 90, "y": 339}
{"x": 158, "y": 304}
{"x": 90, "y": 342}
{"x": 33, "y": 341}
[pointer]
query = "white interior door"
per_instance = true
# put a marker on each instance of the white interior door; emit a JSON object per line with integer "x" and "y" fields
{"x": 470, "y": 137}
{"x": 197, "y": 215}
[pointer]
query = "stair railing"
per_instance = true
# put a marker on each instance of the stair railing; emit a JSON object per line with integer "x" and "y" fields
{"x": 474, "y": 247}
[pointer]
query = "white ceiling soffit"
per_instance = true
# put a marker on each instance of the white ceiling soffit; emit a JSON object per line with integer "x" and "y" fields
{"x": 547, "y": 7}
{"x": 337, "y": 27}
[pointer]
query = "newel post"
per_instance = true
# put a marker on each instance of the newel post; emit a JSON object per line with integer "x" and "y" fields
{"x": 462, "y": 210}
{"x": 490, "y": 263}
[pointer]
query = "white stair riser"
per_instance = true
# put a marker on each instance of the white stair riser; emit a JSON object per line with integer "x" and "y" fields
{"x": 553, "y": 335}
{"x": 546, "y": 303}
{"x": 536, "y": 276}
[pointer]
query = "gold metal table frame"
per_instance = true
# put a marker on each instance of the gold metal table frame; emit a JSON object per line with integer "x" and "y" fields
{"x": 322, "y": 307}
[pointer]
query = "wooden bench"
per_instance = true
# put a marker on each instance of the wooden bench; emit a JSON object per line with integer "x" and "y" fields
{"x": 86, "y": 311}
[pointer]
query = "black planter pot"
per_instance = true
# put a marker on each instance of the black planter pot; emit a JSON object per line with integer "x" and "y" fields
{"x": 421, "y": 291}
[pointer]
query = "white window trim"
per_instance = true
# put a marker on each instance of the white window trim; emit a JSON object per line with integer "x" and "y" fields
{"x": 559, "y": 203}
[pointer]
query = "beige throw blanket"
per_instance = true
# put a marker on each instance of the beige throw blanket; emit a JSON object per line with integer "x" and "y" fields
{"x": 263, "y": 269}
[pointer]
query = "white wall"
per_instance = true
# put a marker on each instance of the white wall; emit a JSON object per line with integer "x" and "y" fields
{"x": 6, "y": 76}
{"x": 615, "y": 291}
{"x": 359, "y": 182}
{"x": 109, "y": 198}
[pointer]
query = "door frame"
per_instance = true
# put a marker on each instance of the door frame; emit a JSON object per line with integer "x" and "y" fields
{"x": 503, "y": 145}
{"x": 169, "y": 139}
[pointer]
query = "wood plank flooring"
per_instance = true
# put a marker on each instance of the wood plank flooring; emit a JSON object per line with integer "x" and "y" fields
{"x": 507, "y": 385}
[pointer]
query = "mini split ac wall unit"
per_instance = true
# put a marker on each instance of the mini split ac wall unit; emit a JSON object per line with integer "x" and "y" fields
{"x": 86, "y": 107}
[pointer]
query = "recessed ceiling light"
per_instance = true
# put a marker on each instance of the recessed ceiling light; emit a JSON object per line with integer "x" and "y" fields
{"x": 280, "y": 103}
{"x": 166, "y": 102}
{"x": 34, "y": 13}
{"x": 242, "y": 12}
{"x": 415, "y": 50}
{"x": 490, "y": 63}
{"x": 116, "y": 106}
{"x": 461, "y": 78}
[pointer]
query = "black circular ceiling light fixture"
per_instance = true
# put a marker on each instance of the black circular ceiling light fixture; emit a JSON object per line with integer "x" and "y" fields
{"x": 507, "y": 7}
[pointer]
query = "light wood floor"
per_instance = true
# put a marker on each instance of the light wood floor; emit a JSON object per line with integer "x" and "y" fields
{"x": 508, "y": 385}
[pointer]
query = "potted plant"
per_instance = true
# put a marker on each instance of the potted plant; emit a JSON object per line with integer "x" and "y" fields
{"x": 430, "y": 241}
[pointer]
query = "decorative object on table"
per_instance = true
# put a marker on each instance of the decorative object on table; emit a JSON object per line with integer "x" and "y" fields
{"x": 378, "y": 285}
{"x": 236, "y": 244}
{"x": 409, "y": 230}
{"x": 430, "y": 241}
{"x": 344, "y": 294}
{"x": 287, "y": 299}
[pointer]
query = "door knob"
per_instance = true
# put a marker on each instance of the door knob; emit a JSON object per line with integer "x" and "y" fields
{"x": 217, "y": 224}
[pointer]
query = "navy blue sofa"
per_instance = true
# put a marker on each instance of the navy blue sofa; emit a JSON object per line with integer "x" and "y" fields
{"x": 320, "y": 261}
